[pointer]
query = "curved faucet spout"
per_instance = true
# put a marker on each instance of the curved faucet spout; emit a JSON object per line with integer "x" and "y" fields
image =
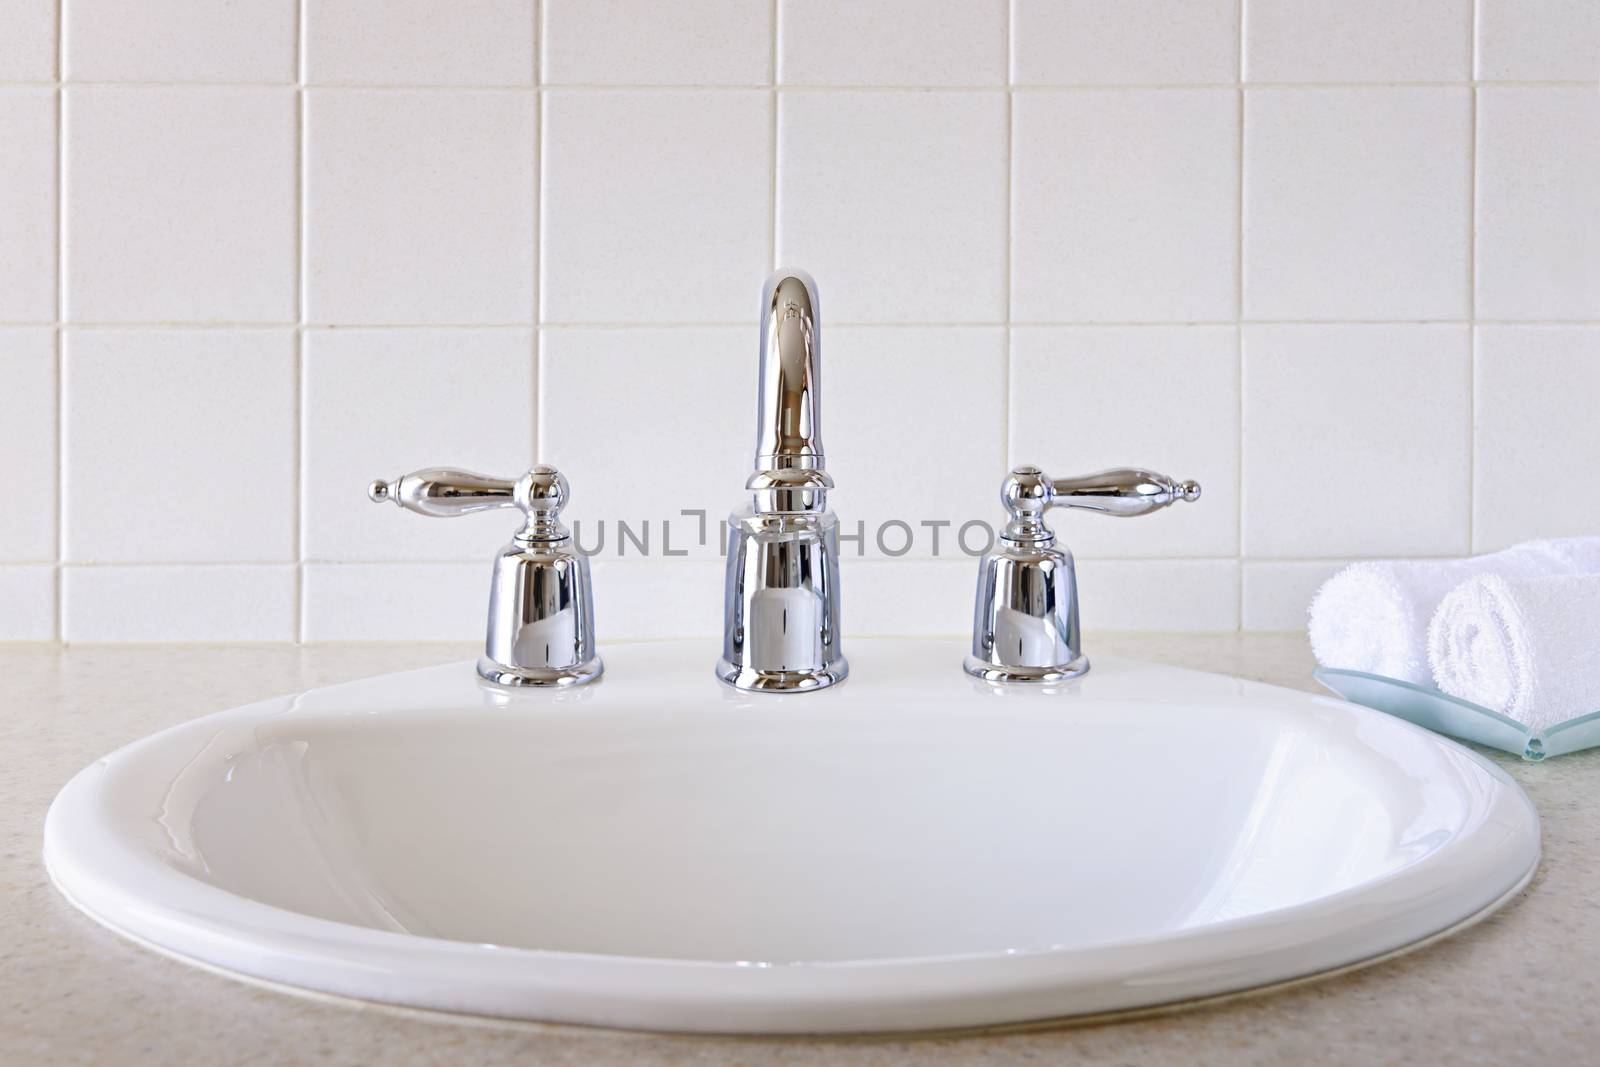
{"x": 789, "y": 401}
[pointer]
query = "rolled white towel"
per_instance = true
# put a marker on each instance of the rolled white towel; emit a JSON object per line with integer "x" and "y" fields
{"x": 1373, "y": 616}
{"x": 1525, "y": 647}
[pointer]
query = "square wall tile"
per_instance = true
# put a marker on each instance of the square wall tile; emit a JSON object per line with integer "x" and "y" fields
{"x": 1356, "y": 440}
{"x": 397, "y": 601}
{"x": 656, "y": 205}
{"x": 1538, "y": 210}
{"x": 178, "y": 603}
{"x": 1277, "y": 595}
{"x": 28, "y": 443}
{"x": 622, "y": 42}
{"x": 908, "y": 598}
{"x": 906, "y": 396}
{"x": 1126, "y": 206}
{"x": 179, "y": 205}
{"x": 27, "y": 602}
{"x": 382, "y": 403}
{"x": 1157, "y": 594}
{"x": 419, "y": 42}
{"x": 205, "y": 415}
{"x": 611, "y": 399}
{"x": 1357, "y": 203}
{"x": 1536, "y": 388}
{"x": 629, "y": 594}
{"x": 891, "y": 42}
{"x": 1071, "y": 388}
{"x": 28, "y": 205}
{"x": 1130, "y": 42}
{"x": 28, "y": 46}
{"x": 1539, "y": 40}
{"x": 419, "y": 206}
{"x": 1357, "y": 40}
{"x": 179, "y": 41}
{"x": 896, "y": 203}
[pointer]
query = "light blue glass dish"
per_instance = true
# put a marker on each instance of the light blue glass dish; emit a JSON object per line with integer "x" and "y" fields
{"x": 1459, "y": 718}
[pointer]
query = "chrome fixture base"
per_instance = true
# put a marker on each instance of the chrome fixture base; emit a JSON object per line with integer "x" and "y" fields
{"x": 781, "y": 612}
{"x": 541, "y": 601}
{"x": 987, "y": 671}
{"x": 500, "y": 674}
{"x": 755, "y": 681}
{"x": 1025, "y": 624}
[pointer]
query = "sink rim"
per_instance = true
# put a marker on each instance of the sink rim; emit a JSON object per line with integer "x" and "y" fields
{"x": 123, "y": 886}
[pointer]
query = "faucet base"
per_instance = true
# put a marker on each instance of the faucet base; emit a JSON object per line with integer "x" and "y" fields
{"x": 994, "y": 672}
{"x": 579, "y": 674}
{"x": 752, "y": 680}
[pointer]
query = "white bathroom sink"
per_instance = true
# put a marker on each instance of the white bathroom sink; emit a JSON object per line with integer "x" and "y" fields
{"x": 914, "y": 849}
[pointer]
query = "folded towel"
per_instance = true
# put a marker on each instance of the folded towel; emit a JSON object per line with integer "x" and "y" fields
{"x": 1373, "y": 616}
{"x": 1525, "y": 647}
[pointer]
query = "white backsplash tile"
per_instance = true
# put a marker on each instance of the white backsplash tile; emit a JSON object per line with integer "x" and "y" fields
{"x": 927, "y": 401}
{"x": 1356, "y": 203}
{"x": 617, "y": 400}
{"x": 1357, "y": 40}
{"x": 173, "y": 448}
{"x": 27, "y": 205}
{"x": 27, "y": 602}
{"x": 28, "y": 45}
{"x": 1157, "y": 594}
{"x": 1126, "y": 206}
{"x": 397, "y": 601}
{"x": 1087, "y": 398}
{"x": 419, "y": 206}
{"x": 419, "y": 42}
{"x": 1538, "y": 210}
{"x": 382, "y": 403}
{"x": 178, "y": 602}
{"x": 271, "y": 250}
{"x": 179, "y": 205}
{"x": 1539, "y": 40}
{"x": 28, "y": 445}
{"x": 891, "y": 42}
{"x": 1536, "y": 442}
{"x": 656, "y": 205}
{"x": 622, "y": 42}
{"x": 179, "y": 40}
{"x": 1277, "y": 594}
{"x": 1130, "y": 42}
{"x": 1356, "y": 440}
{"x": 896, "y": 202}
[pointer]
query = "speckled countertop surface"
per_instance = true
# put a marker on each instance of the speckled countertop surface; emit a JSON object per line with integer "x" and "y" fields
{"x": 1523, "y": 986}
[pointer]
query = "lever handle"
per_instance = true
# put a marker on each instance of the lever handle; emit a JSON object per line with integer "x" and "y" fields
{"x": 1122, "y": 492}
{"x": 443, "y": 492}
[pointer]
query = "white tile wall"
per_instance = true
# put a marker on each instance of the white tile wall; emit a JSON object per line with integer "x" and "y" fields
{"x": 1339, "y": 259}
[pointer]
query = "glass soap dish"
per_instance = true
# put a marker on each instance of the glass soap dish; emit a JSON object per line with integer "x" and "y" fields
{"x": 1459, "y": 718}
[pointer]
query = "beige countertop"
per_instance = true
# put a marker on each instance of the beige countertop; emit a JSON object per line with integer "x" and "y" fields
{"x": 1523, "y": 986}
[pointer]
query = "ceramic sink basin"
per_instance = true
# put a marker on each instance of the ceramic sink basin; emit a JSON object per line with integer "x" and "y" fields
{"x": 913, "y": 849}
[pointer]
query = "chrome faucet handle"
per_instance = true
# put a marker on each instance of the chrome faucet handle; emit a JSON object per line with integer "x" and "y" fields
{"x": 1121, "y": 492}
{"x": 541, "y": 598}
{"x": 444, "y": 493}
{"x": 1025, "y": 616}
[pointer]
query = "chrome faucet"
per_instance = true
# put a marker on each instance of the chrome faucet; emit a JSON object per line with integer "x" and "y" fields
{"x": 541, "y": 602}
{"x": 1025, "y": 618}
{"x": 781, "y": 611}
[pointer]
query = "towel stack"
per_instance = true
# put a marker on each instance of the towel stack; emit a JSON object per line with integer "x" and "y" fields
{"x": 1517, "y": 631}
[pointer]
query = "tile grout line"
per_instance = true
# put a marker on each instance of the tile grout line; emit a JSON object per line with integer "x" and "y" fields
{"x": 1238, "y": 314}
{"x": 536, "y": 378}
{"x": 1008, "y": 219}
{"x": 1472, "y": 286}
{"x": 298, "y": 443}
{"x": 640, "y": 87}
{"x": 58, "y": 622}
{"x": 775, "y": 16}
